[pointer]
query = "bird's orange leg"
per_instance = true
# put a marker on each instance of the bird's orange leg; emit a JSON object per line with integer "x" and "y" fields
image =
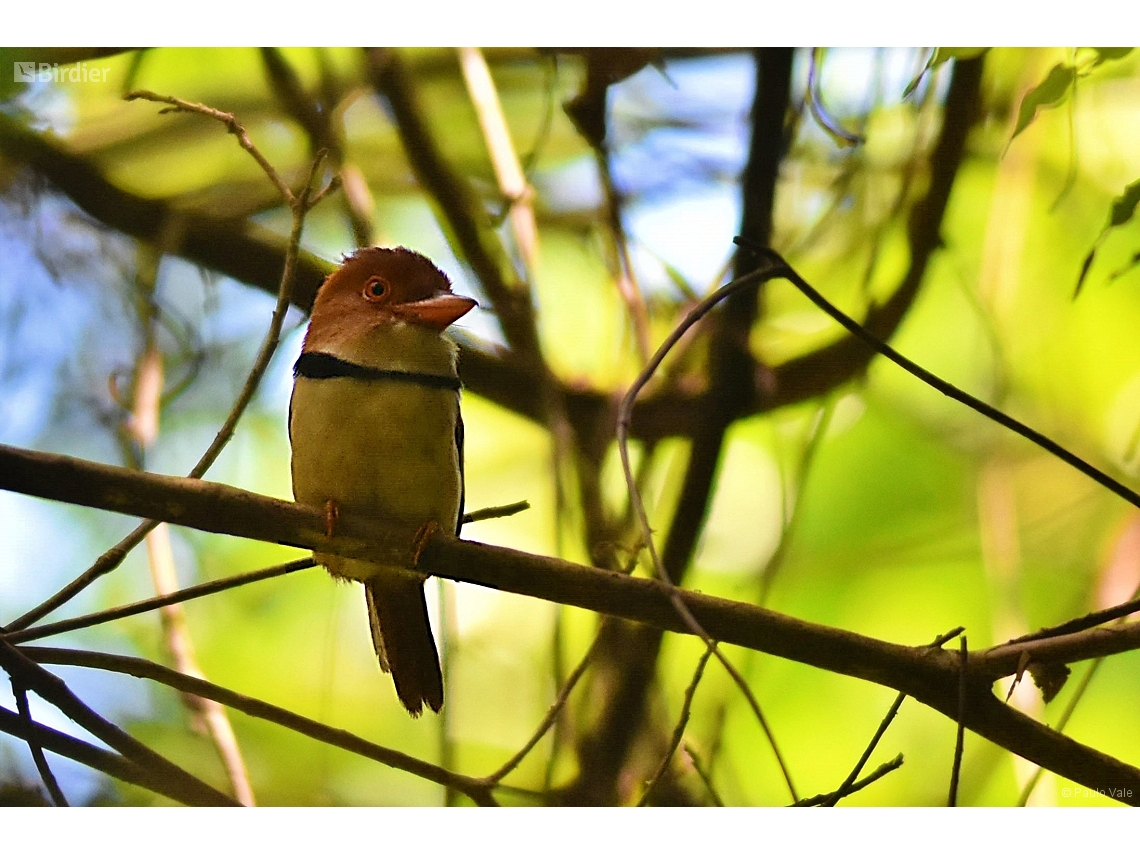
{"x": 332, "y": 512}
{"x": 423, "y": 534}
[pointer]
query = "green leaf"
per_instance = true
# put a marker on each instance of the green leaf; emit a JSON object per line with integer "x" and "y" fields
{"x": 1124, "y": 205}
{"x": 944, "y": 53}
{"x": 1050, "y": 678}
{"x": 1106, "y": 54}
{"x": 1123, "y": 209}
{"x": 910, "y": 87}
{"x": 1128, "y": 267}
{"x": 1085, "y": 267}
{"x": 939, "y": 56}
{"x": 1051, "y": 92}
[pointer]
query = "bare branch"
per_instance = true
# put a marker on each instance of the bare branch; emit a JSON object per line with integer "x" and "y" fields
{"x": 960, "y": 737}
{"x": 100, "y": 759}
{"x": 34, "y": 745}
{"x": 477, "y": 790}
{"x": 52, "y": 689}
{"x": 185, "y": 594}
{"x": 931, "y": 676}
{"x": 232, "y": 125}
{"x": 679, "y": 729}
{"x": 300, "y": 205}
{"x": 862, "y": 783}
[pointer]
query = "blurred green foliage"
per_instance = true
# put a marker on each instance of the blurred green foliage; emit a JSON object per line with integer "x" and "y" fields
{"x": 879, "y": 507}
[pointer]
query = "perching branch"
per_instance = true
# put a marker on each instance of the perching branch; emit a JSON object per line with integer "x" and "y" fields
{"x": 299, "y": 204}
{"x": 930, "y": 676}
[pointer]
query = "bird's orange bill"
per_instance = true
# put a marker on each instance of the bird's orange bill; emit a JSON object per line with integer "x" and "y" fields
{"x": 438, "y": 312}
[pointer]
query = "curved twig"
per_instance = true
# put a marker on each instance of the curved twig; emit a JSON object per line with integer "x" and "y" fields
{"x": 477, "y": 790}
{"x": 928, "y": 675}
{"x": 52, "y": 689}
{"x": 625, "y": 416}
{"x": 300, "y": 205}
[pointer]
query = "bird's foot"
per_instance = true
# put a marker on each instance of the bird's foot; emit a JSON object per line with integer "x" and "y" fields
{"x": 423, "y": 534}
{"x": 332, "y": 513}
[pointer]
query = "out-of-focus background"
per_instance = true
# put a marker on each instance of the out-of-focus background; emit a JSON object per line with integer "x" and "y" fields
{"x": 835, "y": 488}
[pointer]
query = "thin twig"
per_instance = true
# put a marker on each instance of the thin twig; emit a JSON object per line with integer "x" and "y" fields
{"x": 775, "y": 561}
{"x": 36, "y": 747}
{"x": 698, "y": 767}
{"x": 947, "y": 389}
{"x": 1082, "y": 623}
{"x": 625, "y": 417}
{"x": 848, "y": 785}
{"x": 53, "y": 690}
{"x": 948, "y": 636}
{"x": 550, "y": 717}
{"x": 496, "y": 512}
{"x": 477, "y": 790}
{"x": 960, "y": 739}
{"x": 625, "y": 276}
{"x": 679, "y": 729}
{"x": 819, "y": 111}
{"x": 862, "y": 783}
{"x": 109, "y": 560}
{"x": 232, "y": 125}
{"x": 504, "y": 158}
{"x": 315, "y": 115}
{"x": 558, "y": 678}
{"x": 181, "y": 596}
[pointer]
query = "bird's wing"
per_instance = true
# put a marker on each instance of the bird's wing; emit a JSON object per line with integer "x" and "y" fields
{"x": 462, "y": 479}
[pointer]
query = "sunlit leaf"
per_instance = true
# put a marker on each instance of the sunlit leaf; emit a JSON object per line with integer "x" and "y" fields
{"x": 1124, "y": 205}
{"x": 944, "y": 53}
{"x": 937, "y": 58}
{"x": 1123, "y": 208}
{"x": 1106, "y": 54}
{"x": 1051, "y": 92}
{"x": 1050, "y": 678}
{"x": 1126, "y": 268}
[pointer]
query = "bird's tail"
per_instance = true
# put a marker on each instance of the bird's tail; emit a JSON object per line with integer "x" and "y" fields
{"x": 401, "y": 634}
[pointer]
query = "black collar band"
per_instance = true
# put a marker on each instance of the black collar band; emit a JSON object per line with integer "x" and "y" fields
{"x": 325, "y": 366}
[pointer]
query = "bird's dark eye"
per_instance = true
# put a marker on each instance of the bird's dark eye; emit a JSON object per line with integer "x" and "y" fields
{"x": 376, "y": 288}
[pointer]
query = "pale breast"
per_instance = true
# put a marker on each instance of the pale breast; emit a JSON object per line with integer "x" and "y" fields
{"x": 381, "y": 448}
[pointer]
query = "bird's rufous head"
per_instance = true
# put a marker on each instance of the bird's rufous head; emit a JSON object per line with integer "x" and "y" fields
{"x": 375, "y": 287}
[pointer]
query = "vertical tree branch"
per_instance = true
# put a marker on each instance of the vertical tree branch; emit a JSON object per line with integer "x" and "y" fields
{"x": 630, "y": 652}
{"x": 299, "y": 203}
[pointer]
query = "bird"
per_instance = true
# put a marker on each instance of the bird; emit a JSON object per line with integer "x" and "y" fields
{"x": 375, "y": 431}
